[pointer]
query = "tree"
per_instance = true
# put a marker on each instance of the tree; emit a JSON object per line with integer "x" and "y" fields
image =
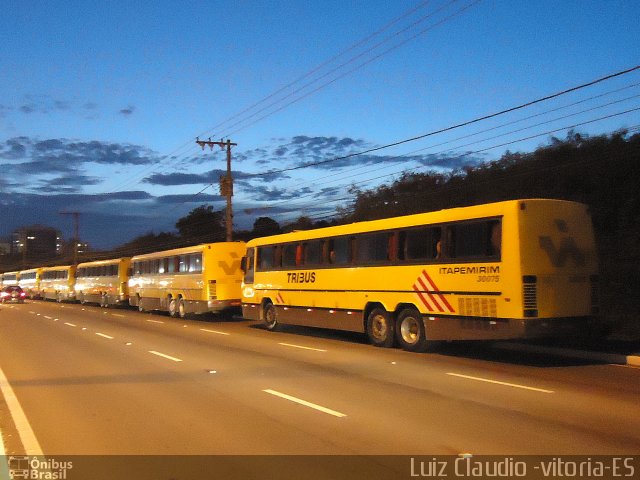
{"x": 202, "y": 224}
{"x": 264, "y": 226}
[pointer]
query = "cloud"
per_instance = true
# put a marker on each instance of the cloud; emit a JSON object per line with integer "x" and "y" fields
{"x": 63, "y": 151}
{"x": 173, "y": 179}
{"x": 271, "y": 194}
{"x": 62, "y": 165}
{"x": 67, "y": 183}
{"x": 43, "y": 104}
{"x": 184, "y": 199}
{"x": 127, "y": 111}
{"x": 212, "y": 176}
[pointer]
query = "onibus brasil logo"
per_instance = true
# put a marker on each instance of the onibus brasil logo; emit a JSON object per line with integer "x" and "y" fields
{"x": 37, "y": 468}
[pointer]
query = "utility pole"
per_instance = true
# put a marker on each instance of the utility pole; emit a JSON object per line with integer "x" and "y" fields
{"x": 76, "y": 236}
{"x": 226, "y": 182}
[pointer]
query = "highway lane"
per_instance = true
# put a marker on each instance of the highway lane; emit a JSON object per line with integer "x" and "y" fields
{"x": 96, "y": 381}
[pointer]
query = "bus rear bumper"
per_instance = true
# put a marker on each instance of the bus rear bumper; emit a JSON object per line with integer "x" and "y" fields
{"x": 219, "y": 305}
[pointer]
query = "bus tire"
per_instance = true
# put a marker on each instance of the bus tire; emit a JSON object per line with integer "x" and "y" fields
{"x": 410, "y": 331}
{"x": 270, "y": 317}
{"x": 173, "y": 307}
{"x": 380, "y": 329}
{"x": 182, "y": 312}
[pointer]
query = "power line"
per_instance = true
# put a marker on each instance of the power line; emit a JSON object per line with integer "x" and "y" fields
{"x": 456, "y": 126}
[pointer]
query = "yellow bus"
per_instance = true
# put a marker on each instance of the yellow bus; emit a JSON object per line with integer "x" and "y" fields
{"x": 512, "y": 269}
{"x": 10, "y": 278}
{"x": 30, "y": 282}
{"x": 58, "y": 283}
{"x": 198, "y": 279}
{"x": 105, "y": 282}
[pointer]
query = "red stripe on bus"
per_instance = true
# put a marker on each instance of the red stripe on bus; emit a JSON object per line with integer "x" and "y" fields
{"x": 441, "y": 296}
{"x": 424, "y": 300}
{"x": 433, "y": 299}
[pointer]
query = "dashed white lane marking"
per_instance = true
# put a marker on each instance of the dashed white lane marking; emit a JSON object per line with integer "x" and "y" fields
{"x": 154, "y": 321}
{"x": 28, "y": 438}
{"x": 514, "y": 385}
{"x": 300, "y": 346}
{"x": 70, "y": 324}
{"x": 48, "y": 317}
{"x": 104, "y": 336}
{"x": 118, "y": 315}
{"x": 168, "y": 357}
{"x": 214, "y": 331}
{"x": 305, "y": 403}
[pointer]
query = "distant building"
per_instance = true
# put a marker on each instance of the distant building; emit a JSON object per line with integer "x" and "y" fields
{"x": 5, "y": 246}
{"x": 36, "y": 241}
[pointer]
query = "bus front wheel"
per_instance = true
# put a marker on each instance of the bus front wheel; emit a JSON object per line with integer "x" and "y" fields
{"x": 410, "y": 331}
{"x": 380, "y": 328}
{"x": 269, "y": 317}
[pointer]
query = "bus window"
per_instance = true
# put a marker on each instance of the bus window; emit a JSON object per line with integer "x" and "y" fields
{"x": 312, "y": 253}
{"x": 474, "y": 239}
{"x": 372, "y": 248}
{"x": 195, "y": 263}
{"x": 265, "y": 257}
{"x": 248, "y": 266}
{"x": 339, "y": 251}
{"x": 421, "y": 243}
{"x": 184, "y": 263}
{"x": 289, "y": 255}
{"x": 495, "y": 240}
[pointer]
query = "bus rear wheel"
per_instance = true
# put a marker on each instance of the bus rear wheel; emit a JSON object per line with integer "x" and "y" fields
{"x": 410, "y": 331}
{"x": 182, "y": 312}
{"x": 269, "y": 317}
{"x": 173, "y": 307}
{"x": 380, "y": 328}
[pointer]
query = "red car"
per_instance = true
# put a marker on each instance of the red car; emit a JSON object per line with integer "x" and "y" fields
{"x": 12, "y": 294}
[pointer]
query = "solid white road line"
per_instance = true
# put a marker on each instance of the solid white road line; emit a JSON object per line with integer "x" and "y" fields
{"x": 514, "y": 385}
{"x": 214, "y": 331}
{"x": 104, "y": 336}
{"x": 304, "y": 348}
{"x": 28, "y": 438}
{"x": 165, "y": 356}
{"x": 305, "y": 403}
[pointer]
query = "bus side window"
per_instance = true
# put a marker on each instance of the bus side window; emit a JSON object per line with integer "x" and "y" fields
{"x": 473, "y": 239}
{"x": 289, "y": 255}
{"x": 265, "y": 258}
{"x": 313, "y": 253}
{"x": 299, "y": 255}
{"x": 342, "y": 251}
{"x": 248, "y": 266}
{"x": 495, "y": 240}
{"x": 372, "y": 248}
{"x": 392, "y": 247}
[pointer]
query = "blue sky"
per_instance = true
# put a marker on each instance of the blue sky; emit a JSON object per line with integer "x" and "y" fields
{"x": 101, "y": 102}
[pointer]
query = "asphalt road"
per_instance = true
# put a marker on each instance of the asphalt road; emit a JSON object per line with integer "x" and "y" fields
{"x": 97, "y": 381}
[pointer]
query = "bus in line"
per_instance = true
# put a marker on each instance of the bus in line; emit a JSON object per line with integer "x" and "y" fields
{"x": 30, "y": 282}
{"x": 58, "y": 283}
{"x": 505, "y": 270}
{"x": 105, "y": 282}
{"x": 198, "y": 279}
{"x": 9, "y": 278}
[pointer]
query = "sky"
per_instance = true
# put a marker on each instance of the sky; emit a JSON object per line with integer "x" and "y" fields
{"x": 101, "y": 102}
